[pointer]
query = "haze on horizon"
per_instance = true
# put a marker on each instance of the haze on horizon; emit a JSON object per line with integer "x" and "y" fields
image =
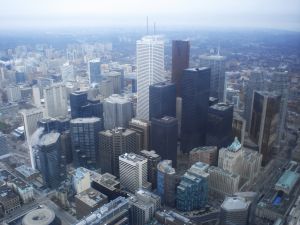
{"x": 273, "y": 14}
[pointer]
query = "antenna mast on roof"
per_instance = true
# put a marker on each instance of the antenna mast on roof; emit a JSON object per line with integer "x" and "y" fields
{"x": 147, "y": 26}
{"x": 154, "y": 28}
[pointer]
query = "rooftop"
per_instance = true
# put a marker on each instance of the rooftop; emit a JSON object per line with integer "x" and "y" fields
{"x": 204, "y": 149}
{"x": 107, "y": 180}
{"x": 49, "y": 139}
{"x": 91, "y": 197}
{"x": 86, "y": 120}
{"x": 150, "y": 154}
{"x": 165, "y": 166}
{"x": 235, "y": 203}
{"x": 235, "y": 146}
{"x": 221, "y": 106}
{"x": 132, "y": 157}
{"x": 117, "y": 99}
{"x": 287, "y": 181}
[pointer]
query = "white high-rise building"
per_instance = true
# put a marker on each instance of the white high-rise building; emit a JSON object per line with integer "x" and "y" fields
{"x": 30, "y": 119}
{"x": 150, "y": 70}
{"x": 133, "y": 171}
{"x": 36, "y": 96}
{"x": 67, "y": 72}
{"x": 117, "y": 112}
{"x": 13, "y": 93}
{"x": 81, "y": 179}
{"x": 56, "y": 101}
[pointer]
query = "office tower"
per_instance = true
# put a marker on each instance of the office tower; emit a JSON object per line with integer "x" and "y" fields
{"x": 164, "y": 137}
{"x": 20, "y": 77}
{"x": 106, "y": 88}
{"x": 279, "y": 83}
{"x": 114, "y": 143}
{"x": 142, "y": 128}
{"x": 50, "y": 161}
{"x": 205, "y": 154}
{"x": 112, "y": 213}
{"x": 48, "y": 124}
{"x": 166, "y": 183}
{"x": 192, "y": 191}
{"x": 195, "y": 97}
{"x": 264, "y": 122}
{"x": 133, "y": 172}
{"x": 115, "y": 78}
{"x": 30, "y": 119}
{"x": 56, "y": 101}
{"x": 66, "y": 145}
{"x": 85, "y": 141}
{"x": 94, "y": 71}
{"x": 162, "y": 100}
{"x": 143, "y": 206}
{"x": 255, "y": 83}
{"x": 219, "y": 125}
{"x": 239, "y": 160}
{"x": 36, "y": 96}
{"x": 67, "y": 72}
{"x": 235, "y": 210}
{"x": 150, "y": 70}
{"x": 81, "y": 180}
{"x": 238, "y": 127}
{"x": 81, "y": 106}
{"x": 180, "y": 62}
{"x": 230, "y": 159}
{"x": 153, "y": 160}
{"x": 88, "y": 201}
{"x": 221, "y": 182}
{"x": 217, "y": 78}
{"x": 117, "y": 112}
{"x": 13, "y": 93}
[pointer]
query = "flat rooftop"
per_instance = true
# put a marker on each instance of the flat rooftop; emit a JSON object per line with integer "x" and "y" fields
{"x": 91, "y": 197}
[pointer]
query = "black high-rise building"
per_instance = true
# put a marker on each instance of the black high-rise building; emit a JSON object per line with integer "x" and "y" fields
{"x": 164, "y": 137}
{"x": 82, "y": 107}
{"x": 180, "y": 61}
{"x": 50, "y": 161}
{"x": 195, "y": 99}
{"x": 162, "y": 100}
{"x": 219, "y": 125}
{"x": 85, "y": 143}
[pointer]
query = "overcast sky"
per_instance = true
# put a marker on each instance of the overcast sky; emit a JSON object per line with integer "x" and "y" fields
{"x": 280, "y": 14}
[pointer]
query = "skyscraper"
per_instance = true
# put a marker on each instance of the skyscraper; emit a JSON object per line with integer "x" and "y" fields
{"x": 117, "y": 112}
{"x": 133, "y": 172}
{"x": 192, "y": 191}
{"x": 142, "y": 129}
{"x": 180, "y": 61}
{"x": 116, "y": 79}
{"x": 67, "y": 72}
{"x": 82, "y": 107}
{"x": 13, "y": 93}
{"x": 30, "y": 119}
{"x": 265, "y": 117}
{"x": 162, "y": 100}
{"x": 150, "y": 70}
{"x": 112, "y": 144}
{"x": 85, "y": 141}
{"x": 166, "y": 182}
{"x": 153, "y": 160}
{"x": 94, "y": 71}
{"x": 56, "y": 100}
{"x": 195, "y": 98}
{"x": 50, "y": 161}
{"x": 217, "y": 78}
{"x": 255, "y": 83}
{"x": 164, "y": 137}
{"x": 279, "y": 83}
{"x": 219, "y": 125}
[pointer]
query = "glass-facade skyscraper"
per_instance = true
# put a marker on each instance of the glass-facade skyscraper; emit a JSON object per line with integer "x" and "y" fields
{"x": 164, "y": 137}
{"x": 195, "y": 99}
{"x": 162, "y": 100}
